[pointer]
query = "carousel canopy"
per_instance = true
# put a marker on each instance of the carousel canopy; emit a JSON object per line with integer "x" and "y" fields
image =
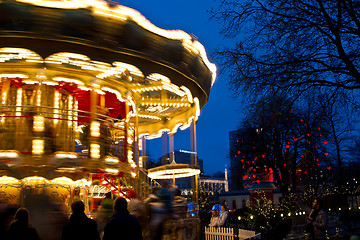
{"x": 79, "y": 45}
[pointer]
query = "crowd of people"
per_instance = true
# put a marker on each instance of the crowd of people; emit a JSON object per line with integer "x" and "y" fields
{"x": 130, "y": 218}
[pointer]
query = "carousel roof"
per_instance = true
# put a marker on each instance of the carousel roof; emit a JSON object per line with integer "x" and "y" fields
{"x": 165, "y": 74}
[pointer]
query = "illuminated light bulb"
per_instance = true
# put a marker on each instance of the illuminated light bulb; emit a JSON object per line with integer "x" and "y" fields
{"x": 94, "y": 150}
{"x": 39, "y": 124}
{"x": 9, "y": 154}
{"x": 37, "y": 146}
{"x": 56, "y": 106}
{"x": 95, "y": 129}
{"x": 18, "y": 101}
{"x": 111, "y": 160}
{"x": 112, "y": 170}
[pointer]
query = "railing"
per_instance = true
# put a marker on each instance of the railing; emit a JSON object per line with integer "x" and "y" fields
{"x": 217, "y": 233}
{"x": 223, "y": 233}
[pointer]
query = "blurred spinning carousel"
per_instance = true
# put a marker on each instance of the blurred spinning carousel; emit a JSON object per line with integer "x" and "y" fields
{"x": 84, "y": 84}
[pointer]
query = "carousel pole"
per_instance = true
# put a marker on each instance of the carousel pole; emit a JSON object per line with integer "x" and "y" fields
{"x": 136, "y": 138}
{"x": 194, "y": 157}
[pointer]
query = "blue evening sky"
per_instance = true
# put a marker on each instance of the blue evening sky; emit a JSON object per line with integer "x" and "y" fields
{"x": 222, "y": 113}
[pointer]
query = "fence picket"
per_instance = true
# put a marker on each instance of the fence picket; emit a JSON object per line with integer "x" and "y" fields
{"x": 222, "y": 233}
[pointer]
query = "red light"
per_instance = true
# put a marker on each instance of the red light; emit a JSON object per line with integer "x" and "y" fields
{"x": 326, "y": 154}
{"x": 287, "y": 146}
{"x": 237, "y": 140}
{"x": 284, "y": 165}
{"x": 328, "y": 168}
{"x": 245, "y": 176}
{"x": 238, "y": 152}
{"x": 263, "y": 156}
{"x": 254, "y": 176}
{"x": 325, "y": 142}
{"x": 257, "y": 181}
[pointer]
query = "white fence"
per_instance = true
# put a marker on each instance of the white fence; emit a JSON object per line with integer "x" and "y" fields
{"x": 222, "y": 233}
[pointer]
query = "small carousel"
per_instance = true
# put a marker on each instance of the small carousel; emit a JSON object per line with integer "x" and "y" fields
{"x": 83, "y": 85}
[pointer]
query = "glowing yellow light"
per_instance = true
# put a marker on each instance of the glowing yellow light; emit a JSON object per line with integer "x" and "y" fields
{"x": 18, "y": 101}
{"x": 187, "y": 124}
{"x": 112, "y": 170}
{"x": 122, "y": 67}
{"x": 94, "y": 150}
{"x": 8, "y": 180}
{"x": 65, "y": 155}
{"x": 30, "y": 81}
{"x": 9, "y": 154}
{"x": 37, "y": 146}
{"x": 39, "y": 124}
{"x": 13, "y": 75}
{"x": 109, "y": 159}
{"x": 197, "y": 105}
{"x": 38, "y": 98}
{"x": 62, "y": 180}
{"x": 82, "y": 182}
{"x": 56, "y": 106}
{"x": 95, "y": 129}
{"x": 68, "y": 80}
{"x": 188, "y": 93}
{"x": 173, "y": 171}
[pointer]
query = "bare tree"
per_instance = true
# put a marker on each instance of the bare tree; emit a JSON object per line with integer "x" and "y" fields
{"x": 290, "y": 45}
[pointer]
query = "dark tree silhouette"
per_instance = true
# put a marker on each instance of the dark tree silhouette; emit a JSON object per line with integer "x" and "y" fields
{"x": 290, "y": 45}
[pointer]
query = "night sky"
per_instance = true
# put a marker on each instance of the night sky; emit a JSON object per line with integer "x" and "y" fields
{"x": 222, "y": 113}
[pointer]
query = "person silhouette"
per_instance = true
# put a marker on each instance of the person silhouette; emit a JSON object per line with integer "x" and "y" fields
{"x": 79, "y": 225}
{"x": 20, "y": 228}
{"x": 317, "y": 221}
{"x": 122, "y": 225}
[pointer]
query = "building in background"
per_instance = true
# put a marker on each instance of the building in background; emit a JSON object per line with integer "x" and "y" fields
{"x": 214, "y": 185}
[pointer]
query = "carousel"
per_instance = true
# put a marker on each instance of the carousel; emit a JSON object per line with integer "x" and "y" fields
{"x": 83, "y": 85}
